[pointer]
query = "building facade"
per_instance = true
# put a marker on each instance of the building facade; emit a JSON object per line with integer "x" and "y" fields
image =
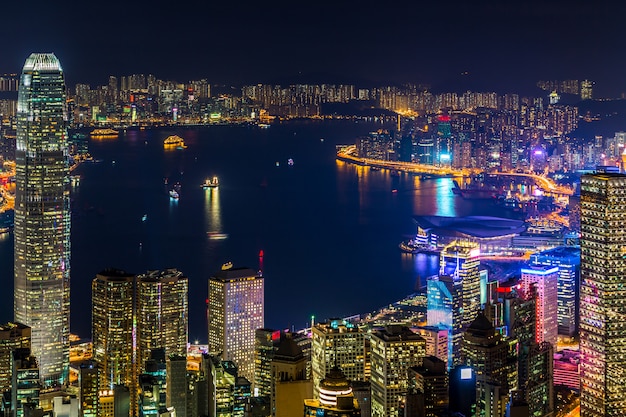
{"x": 603, "y": 295}
{"x": 544, "y": 281}
{"x": 42, "y": 215}
{"x": 337, "y": 343}
{"x": 235, "y": 312}
{"x": 395, "y": 349}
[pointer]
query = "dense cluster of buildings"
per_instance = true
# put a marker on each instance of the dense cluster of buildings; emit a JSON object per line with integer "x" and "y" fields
{"x": 486, "y": 347}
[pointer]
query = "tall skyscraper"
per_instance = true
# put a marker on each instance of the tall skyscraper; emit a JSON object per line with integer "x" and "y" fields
{"x": 395, "y": 349}
{"x": 567, "y": 258}
{"x": 337, "y": 343}
{"x": 602, "y": 295}
{"x": 460, "y": 260}
{"x": 132, "y": 316}
{"x": 494, "y": 359}
{"x": 42, "y": 215}
{"x": 544, "y": 281}
{"x": 235, "y": 311}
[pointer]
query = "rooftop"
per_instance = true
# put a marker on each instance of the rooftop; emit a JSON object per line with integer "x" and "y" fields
{"x": 473, "y": 226}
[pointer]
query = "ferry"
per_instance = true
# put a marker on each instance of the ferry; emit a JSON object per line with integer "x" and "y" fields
{"x": 214, "y": 183}
{"x": 217, "y": 235}
{"x": 174, "y": 194}
{"x": 264, "y": 125}
{"x": 104, "y": 133}
{"x": 174, "y": 142}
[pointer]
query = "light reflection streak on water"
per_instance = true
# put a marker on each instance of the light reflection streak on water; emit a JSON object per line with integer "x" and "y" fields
{"x": 445, "y": 198}
{"x": 213, "y": 210}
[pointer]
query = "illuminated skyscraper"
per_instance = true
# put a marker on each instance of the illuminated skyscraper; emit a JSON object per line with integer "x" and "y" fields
{"x": 13, "y": 336}
{"x": 567, "y": 258}
{"x": 235, "y": 311}
{"x": 133, "y": 315}
{"x": 395, "y": 349}
{"x": 42, "y": 215}
{"x": 603, "y": 295}
{"x": 337, "y": 343}
{"x": 460, "y": 260}
{"x": 162, "y": 313}
{"x": 444, "y": 310}
{"x": 494, "y": 359}
{"x": 544, "y": 281}
{"x": 112, "y": 316}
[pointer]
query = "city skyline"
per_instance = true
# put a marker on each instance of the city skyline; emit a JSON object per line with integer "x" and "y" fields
{"x": 472, "y": 45}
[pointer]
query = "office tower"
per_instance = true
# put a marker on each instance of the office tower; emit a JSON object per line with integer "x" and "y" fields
{"x": 544, "y": 281}
{"x": 112, "y": 319}
{"x": 539, "y": 387}
{"x": 567, "y": 259}
{"x": 428, "y": 389}
{"x": 463, "y": 389}
{"x": 25, "y": 381}
{"x": 394, "y": 350}
{"x": 444, "y": 311}
{"x": 176, "y": 377}
{"x": 88, "y": 385}
{"x": 337, "y": 343}
{"x": 162, "y": 313}
{"x": 460, "y": 260}
{"x": 221, "y": 382}
{"x": 13, "y": 336}
{"x": 42, "y": 216}
{"x": 235, "y": 311}
{"x": 336, "y": 398}
{"x": 494, "y": 359}
{"x": 602, "y": 266}
{"x": 265, "y": 344}
{"x": 436, "y": 341}
{"x": 290, "y": 385}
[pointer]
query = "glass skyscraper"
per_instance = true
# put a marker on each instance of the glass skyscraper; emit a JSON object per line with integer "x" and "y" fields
{"x": 42, "y": 215}
{"x": 603, "y": 295}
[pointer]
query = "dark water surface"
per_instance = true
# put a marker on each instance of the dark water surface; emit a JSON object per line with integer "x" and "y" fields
{"x": 328, "y": 230}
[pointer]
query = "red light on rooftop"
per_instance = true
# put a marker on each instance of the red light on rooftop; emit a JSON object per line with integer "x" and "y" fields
{"x": 443, "y": 118}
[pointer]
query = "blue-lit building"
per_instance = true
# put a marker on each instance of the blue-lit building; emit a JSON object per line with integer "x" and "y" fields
{"x": 567, "y": 259}
{"x": 444, "y": 310}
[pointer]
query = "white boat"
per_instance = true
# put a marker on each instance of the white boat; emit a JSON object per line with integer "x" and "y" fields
{"x": 174, "y": 194}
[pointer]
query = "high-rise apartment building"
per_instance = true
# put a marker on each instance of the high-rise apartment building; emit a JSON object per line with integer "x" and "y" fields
{"x": 337, "y": 343}
{"x": 603, "y": 295}
{"x": 395, "y": 349}
{"x": 42, "y": 215}
{"x": 235, "y": 312}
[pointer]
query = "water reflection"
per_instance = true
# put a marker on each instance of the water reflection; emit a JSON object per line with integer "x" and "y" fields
{"x": 212, "y": 209}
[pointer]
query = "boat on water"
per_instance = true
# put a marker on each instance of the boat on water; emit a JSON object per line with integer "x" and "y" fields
{"x": 375, "y": 168}
{"x": 174, "y": 195}
{"x": 213, "y": 183}
{"x": 174, "y": 141}
{"x": 264, "y": 125}
{"x": 104, "y": 133}
{"x": 217, "y": 235}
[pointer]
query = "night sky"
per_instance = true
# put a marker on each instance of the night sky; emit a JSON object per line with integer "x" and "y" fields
{"x": 501, "y": 45}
